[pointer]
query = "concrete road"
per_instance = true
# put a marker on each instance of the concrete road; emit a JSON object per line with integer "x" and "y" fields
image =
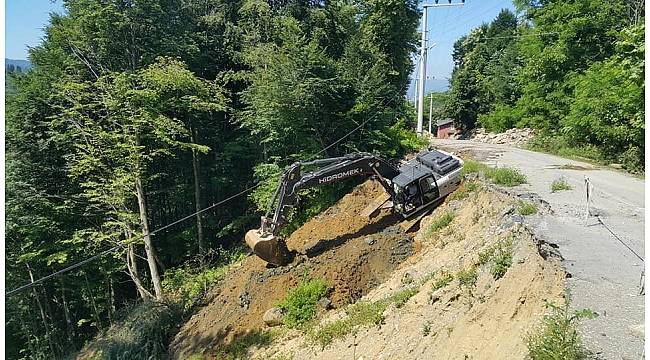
{"x": 604, "y": 271}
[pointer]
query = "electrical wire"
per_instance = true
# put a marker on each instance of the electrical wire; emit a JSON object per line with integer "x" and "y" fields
{"x": 136, "y": 239}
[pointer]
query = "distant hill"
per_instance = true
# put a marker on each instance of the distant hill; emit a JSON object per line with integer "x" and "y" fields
{"x": 431, "y": 85}
{"x": 23, "y": 64}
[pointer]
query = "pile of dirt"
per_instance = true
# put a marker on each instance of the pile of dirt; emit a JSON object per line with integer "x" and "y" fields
{"x": 352, "y": 253}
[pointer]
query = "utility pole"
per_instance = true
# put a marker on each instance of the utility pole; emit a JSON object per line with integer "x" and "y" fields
{"x": 430, "y": 111}
{"x": 423, "y": 60}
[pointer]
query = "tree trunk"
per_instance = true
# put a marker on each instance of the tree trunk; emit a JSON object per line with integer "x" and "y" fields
{"x": 42, "y": 311}
{"x": 148, "y": 246}
{"x": 68, "y": 318}
{"x": 197, "y": 194}
{"x": 98, "y": 320}
{"x": 132, "y": 267}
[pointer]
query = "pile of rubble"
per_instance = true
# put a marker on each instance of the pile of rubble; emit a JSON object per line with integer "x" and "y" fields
{"x": 516, "y": 137}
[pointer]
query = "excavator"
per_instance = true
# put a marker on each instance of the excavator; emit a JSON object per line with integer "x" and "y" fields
{"x": 412, "y": 186}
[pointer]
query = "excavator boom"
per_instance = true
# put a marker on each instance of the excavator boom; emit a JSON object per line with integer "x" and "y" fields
{"x": 417, "y": 184}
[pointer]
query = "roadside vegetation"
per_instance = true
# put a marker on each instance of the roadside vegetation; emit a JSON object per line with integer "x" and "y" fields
{"x": 560, "y": 185}
{"x": 439, "y": 223}
{"x": 499, "y": 176}
{"x": 557, "y": 336}
{"x": 573, "y": 71}
{"x": 526, "y": 208}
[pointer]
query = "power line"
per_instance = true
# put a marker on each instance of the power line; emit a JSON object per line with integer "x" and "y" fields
{"x": 133, "y": 240}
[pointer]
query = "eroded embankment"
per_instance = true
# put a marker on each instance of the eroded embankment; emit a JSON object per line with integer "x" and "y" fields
{"x": 481, "y": 285}
{"x": 350, "y": 262}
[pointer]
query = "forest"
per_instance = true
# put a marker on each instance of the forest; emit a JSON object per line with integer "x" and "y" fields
{"x": 573, "y": 70}
{"x": 138, "y": 114}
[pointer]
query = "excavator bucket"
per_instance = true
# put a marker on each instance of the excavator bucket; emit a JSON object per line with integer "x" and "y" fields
{"x": 269, "y": 248}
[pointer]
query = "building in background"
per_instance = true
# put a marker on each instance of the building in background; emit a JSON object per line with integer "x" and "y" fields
{"x": 445, "y": 128}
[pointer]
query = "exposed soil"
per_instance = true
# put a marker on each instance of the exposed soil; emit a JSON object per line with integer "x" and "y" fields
{"x": 353, "y": 254}
{"x": 489, "y": 320}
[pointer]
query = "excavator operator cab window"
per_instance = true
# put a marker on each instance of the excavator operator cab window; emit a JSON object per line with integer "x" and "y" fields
{"x": 429, "y": 189}
{"x": 412, "y": 195}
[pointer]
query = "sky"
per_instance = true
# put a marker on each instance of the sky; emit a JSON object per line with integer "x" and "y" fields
{"x": 25, "y": 20}
{"x": 24, "y": 23}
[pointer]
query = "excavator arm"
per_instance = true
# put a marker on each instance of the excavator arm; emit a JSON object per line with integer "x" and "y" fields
{"x": 264, "y": 241}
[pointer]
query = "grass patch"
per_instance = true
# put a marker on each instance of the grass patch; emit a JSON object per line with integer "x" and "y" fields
{"x": 500, "y": 254}
{"x": 557, "y": 337}
{"x": 362, "y": 313}
{"x": 440, "y": 222}
{"x": 467, "y": 277}
{"x": 500, "y": 176}
{"x": 560, "y": 185}
{"x": 505, "y": 176}
{"x": 502, "y": 262}
{"x": 465, "y": 189}
{"x": 526, "y": 208}
{"x": 300, "y": 303}
{"x": 444, "y": 280}
{"x": 472, "y": 167}
{"x": 402, "y": 297}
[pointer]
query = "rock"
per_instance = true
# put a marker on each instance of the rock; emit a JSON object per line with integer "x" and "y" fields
{"x": 616, "y": 166}
{"x": 517, "y": 218}
{"x": 369, "y": 240}
{"x": 273, "y": 316}
{"x": 325, "y": 303}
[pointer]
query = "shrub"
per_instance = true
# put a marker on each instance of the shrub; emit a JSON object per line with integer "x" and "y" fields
{"x": 560, "y": 185}
{"x": 443, "y": 281}
{"x": 502, "y": 262}
{"x": 526, "y": 208}
{"x": 557, "y": 337}
{"x": 440, "y": 222}
{"x": 401, "y": 298}
{"x": 505, "y": 176}
{"x": 300, "y": 302}
{"x": 186, "y": 285}
{"x": 467, "y": 277}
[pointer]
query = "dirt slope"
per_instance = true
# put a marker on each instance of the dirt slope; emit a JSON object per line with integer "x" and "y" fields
{"x": 485, "y": 321}
{"x": 350, "y": 265}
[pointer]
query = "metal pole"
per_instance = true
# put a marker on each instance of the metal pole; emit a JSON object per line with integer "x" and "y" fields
{"x": 430, "y": 111}
{"x": 423, "y": 72}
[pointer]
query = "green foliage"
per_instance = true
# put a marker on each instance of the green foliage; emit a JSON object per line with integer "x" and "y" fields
{"x": 500, "y": 254}
{"x": 557, "y": 336}
{"x": 526, "y": 208}
{"x": 467, "y": 277}
{"x": 444, "y": 280}
{"x": 402, "y": 297}
{"x": 464, "y": 191}
{"x": 187, "y": 284}
{"x": 560, "y": 185}
{"x": 505, "y": 176}
{"x": 439, "y": 223}
{"x": 472, "y": 167}
{"x": 572, "y": 70}
{"x": 362, "y": 313}
{"x": 300, "y": 302}
{"x": 142, "y": 334}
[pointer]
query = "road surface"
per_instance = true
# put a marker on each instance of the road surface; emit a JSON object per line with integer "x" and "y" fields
{"x": 605, "y": 268}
